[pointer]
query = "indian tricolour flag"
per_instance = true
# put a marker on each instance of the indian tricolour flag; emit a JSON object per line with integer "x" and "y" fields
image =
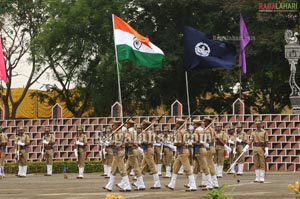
{"x": 130, "y": 45}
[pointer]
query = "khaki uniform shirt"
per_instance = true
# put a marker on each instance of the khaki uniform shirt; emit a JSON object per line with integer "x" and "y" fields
{"x": 148, "y": 137}
{"x": 51, "y": 139}
{"x": 259, "y": 136}
{"x": 210, "y": 135}
{"x": 222, "y": 137}
{"x": 242, "y": 135}
{"x": 23, "y": 138}
{"x": 182, "y": 138}
{"x": 118, "y": 138}
{"x": 3, "y": 141}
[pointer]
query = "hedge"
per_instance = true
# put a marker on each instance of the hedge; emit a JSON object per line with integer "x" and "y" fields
{"x": 58, "y": 167}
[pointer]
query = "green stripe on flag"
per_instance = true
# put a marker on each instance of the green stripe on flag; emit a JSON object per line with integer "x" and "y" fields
{"x": 147, "y": 60}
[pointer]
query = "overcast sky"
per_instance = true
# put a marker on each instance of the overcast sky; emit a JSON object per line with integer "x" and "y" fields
{"x": 21, "y": 75}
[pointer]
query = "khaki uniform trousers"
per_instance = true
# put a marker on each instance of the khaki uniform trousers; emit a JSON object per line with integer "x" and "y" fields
{"x": 219, "y": 157}
{"x": 239, "y": 151}
{"x": 182, "y": 159}
{"x": 168, "y": 156}
{"x": 49, "y": 156}
{"x": 2, "y": 157}
{"x": 210, "y": 160}
{"x": 23, "y": 155}
{"x": 157, "y": 159}
{"x": 191, "y": 154}
{"x": 148, "y": 159}
{"x": 81, "y": 157}
{"x": 140, "y": 158}
{"x": 200, "y": 162}
{"x": 119, "y": 164}
{"x": 259, "y": 158}
{"x": 231, "y": 156}
{"x": 132, "y": 163}
{"x": 108, "y": 156}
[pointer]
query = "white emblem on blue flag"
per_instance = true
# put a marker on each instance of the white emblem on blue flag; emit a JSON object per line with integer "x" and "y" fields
{"x": 202, "y": 49}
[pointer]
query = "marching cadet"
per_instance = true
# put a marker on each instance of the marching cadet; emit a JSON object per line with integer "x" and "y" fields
{"x": 22, "y": 142}
{"x": 211, "y": 152}
{"x": 232, "y": 144}
{"x": 147, "y": 140}
{"x": 81, "y": 143}
{"x": 190, "y": 146}
{"x": 241, "y": 141}
{"x": 118, "y": 163}
{"x": 48, "y": 142}
{"x": 200, "y": 145}
{"x": 259, "y": 138}
{"x": 168, "y": 150}
{"x": 106, "y": 151}
{"x": 3, "y": 144}
{"x": 221, "y": 140}
{"x": 158, "y": 152}
{"x": 131, "y": 146}
{"x": 139, "y": 131}
{"x": 181, "y": 138}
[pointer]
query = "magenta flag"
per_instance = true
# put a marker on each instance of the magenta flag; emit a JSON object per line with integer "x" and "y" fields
{"x": 244, "y": 40}
{"x": 2, "y": 64}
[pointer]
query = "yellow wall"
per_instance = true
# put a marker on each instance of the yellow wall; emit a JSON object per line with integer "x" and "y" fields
{"x": 31, "y": 108}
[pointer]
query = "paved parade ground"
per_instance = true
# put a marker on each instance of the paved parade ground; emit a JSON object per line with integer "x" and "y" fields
{"x": 38, "y": 186}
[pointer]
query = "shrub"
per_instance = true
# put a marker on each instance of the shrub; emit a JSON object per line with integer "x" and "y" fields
{"x": 58, "y": 167}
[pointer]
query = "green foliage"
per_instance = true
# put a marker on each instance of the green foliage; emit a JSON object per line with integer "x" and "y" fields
{"x": 75, "y": 39}
{"x": 217, "y": 193}
{"x": 58, "y": 167}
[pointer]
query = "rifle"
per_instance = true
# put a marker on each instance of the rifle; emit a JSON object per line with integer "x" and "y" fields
{"x": 157, "y": 120}
{"x": 234, "y": 163}
{"x": 43, "y": 149}
{"x": 18, "y": 150}
{"x": 76, "y": 147}
{"x": 117, "y": 129}
{"x": 102, "y": 149}
{"x": 216, "y": 117}
{"x": 184, "y": 123}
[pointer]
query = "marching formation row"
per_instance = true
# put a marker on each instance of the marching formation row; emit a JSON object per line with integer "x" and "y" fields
{"x": 130, "y": 148}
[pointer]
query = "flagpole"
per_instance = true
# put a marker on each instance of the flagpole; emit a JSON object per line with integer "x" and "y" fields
{"x": 240, "y": 80}
{"x": 118, "y": 71}
{"x": 187, "y": 93}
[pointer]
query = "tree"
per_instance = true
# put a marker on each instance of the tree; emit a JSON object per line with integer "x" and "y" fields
{"x": 21, "y": 21}
{"x": 76, "y": 43}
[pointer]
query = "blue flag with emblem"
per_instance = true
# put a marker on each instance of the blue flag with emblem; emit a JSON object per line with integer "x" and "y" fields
{"x": 200, "y": 51}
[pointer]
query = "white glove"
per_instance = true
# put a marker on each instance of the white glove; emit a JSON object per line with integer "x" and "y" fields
{"x": 76, "y": 153}
{"x": 106, "y": 143}
{"x": 45, "y": 142}
{"x": 21, "y": 143}
{"x": 228, "y": 149}
{"x": 79, "y": 143}
{"x": 141, "y": 150}
{"x": 239, "y": 140}
{"x": 230, "y": 142}
{"x": 266, "y": 151}
{"x": 104, "y": 151}
{"x": 156, "y": 144}
{"x": 234, "y": 151}
{"x": 124, "y": 129}
{"x": 206, "y": 145}
{"x": 191, "y": 128}
{"x": 245, "y": 148}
